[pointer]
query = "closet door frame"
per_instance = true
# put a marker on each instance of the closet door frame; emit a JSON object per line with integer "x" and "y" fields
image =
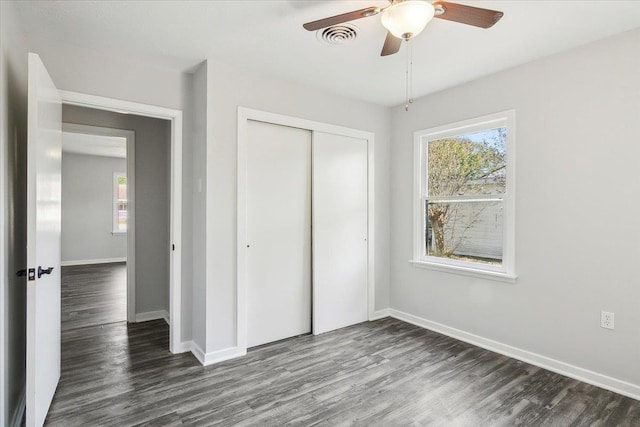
{"x": 246, "y": 114}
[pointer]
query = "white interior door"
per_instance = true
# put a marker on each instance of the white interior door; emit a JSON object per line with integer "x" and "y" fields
{"x": 339, "y": 231}
{"x": 44, "y": 137}
{"x": 278, "y": 232}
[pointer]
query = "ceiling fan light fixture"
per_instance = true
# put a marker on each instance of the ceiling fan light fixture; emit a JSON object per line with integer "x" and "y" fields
{"x": 407, "y": 19}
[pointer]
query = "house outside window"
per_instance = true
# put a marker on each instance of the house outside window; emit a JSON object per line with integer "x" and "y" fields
{"x": 119, "y": 203}
{"x": 464, "y": 205}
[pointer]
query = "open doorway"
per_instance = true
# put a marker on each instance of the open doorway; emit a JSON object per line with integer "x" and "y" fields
{"x": 98, "y": 233}
{"x": 173, "y": 175}
{"x": 138, "y": 209}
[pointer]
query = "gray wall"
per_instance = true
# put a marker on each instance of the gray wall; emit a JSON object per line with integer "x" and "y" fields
{"x": 87, "y": 208}
{"x": 193, "y": 264}
{"x": 198, "y": 191}
{"x": 152, "y": 166}
{"x": 187, "y": 207}
{"x": 13, "y": 99}
{"x": 577, "y": 231}
{"x": 89, "y": 71}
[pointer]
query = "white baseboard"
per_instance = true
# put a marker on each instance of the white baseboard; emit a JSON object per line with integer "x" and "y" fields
{"x": 380, "y": 314}
{"x": 153, "y": 315}
{"x": 599, "y": 380}
{"x": 18, "y": 411}
{"x": 197, "y": 352}
{"x": 183, "y": 347}
{"x": 218, "y": 356}
{"x": 92, "y": 261}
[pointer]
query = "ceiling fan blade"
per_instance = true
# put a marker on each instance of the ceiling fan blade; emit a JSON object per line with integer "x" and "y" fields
{"x": 478, "y": 17}
{"x": 339, "y": 19}
{"x": 391, "y": 45}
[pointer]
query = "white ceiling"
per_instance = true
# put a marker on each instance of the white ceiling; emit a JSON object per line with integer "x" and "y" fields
{"x": 95, "y": 145}
{"x": 267, "y": 36}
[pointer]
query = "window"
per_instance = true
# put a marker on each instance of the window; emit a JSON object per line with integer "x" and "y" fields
{"x": 464, "y": 205}
{"x": 119, "y": 203}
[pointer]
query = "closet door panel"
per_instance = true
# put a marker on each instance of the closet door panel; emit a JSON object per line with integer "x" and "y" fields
{"x": 339, "y": 231}
{"x": 278, "y": 232}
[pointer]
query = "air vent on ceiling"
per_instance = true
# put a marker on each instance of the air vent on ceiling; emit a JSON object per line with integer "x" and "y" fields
{"x": 338, "y": 34}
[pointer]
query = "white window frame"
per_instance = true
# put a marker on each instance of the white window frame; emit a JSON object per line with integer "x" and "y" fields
{"x": 504, "y": 272}
{"x": 114, "y": 205}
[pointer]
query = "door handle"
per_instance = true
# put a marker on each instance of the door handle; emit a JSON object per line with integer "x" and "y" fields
{"x": 21, "y": 273}
{"x": 42, "y": 271}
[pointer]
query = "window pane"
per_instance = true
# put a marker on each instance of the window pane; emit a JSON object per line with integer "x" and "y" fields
{"x": 468, "y": 231}
{"x": 122, "y": 188}
{"x": 122, "y": 216}
{"x": 120, "y": 220}
{"x": 469, "y": 164}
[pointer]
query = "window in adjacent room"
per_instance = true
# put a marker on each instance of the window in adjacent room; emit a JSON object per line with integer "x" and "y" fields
{"x": 119, "y": 203}
{"x": 464, "y": 198}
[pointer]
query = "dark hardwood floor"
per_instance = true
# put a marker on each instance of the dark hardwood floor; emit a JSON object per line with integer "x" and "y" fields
{"x": 93, "y": 294}
{"x": 382, "y": 373}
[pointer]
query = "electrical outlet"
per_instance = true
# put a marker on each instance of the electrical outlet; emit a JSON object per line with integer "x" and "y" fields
{"x": 606, "y": 320}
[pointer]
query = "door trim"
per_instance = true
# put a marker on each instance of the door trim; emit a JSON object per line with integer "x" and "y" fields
{"x": 175, "y": 232}
{"x": 246, "y": 114}
{"x": 131, "y": 195}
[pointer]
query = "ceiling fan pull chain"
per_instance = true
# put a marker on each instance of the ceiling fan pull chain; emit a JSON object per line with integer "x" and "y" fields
{"x": 406, "y": 105}
{"x": 409, "y": 76}
{"x": 410, "y": 73}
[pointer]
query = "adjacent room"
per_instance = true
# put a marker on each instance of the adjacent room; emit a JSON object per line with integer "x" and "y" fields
{"x": 292, "y": 212}
{"x": 93, "y": 231}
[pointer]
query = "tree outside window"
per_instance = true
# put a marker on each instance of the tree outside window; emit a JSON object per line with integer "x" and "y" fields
{"x": 119, "y": 203}
{"x": 466, "y": 180}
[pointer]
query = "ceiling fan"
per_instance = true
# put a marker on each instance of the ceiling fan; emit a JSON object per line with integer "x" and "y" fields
{"x": 405, "y": 19}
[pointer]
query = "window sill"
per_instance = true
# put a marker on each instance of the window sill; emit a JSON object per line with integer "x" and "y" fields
{"x": 473, "y": 272}
{"x": 119, "y": 233}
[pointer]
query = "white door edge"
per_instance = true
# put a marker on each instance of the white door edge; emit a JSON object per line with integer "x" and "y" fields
{"x": 44, "y": 148}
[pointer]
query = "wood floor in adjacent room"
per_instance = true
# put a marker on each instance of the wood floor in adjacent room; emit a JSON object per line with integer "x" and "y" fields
{"x": 382, "y": 373}
{"x": 93, "y": 294}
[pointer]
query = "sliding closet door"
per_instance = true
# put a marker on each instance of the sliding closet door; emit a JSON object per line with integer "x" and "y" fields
{"x": 278, "y": 232}
{"x": 339, "y": 231}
